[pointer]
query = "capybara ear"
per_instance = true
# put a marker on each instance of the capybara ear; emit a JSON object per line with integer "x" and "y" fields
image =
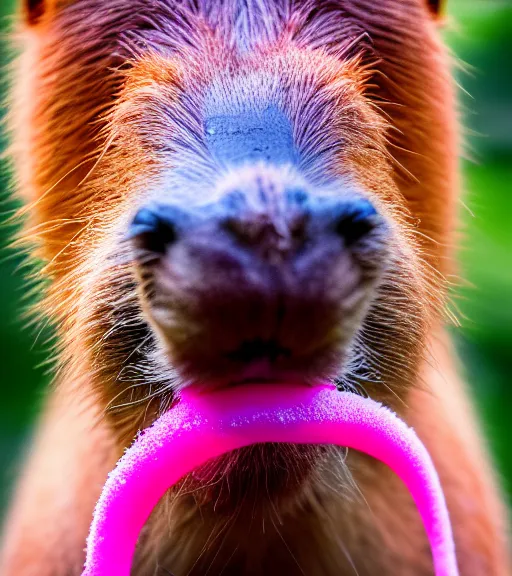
{"x": 436, "y": 6}
{"x": 34, "y": 10}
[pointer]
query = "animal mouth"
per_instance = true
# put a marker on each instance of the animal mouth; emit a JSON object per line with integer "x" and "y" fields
{"x": 257, "y": 350}
{"x": 265, "y": 474}
{"x": 267, "y": 362}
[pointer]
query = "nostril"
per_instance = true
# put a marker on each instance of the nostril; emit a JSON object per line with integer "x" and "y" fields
{"x": 356, "y": 221}
{"x": 153, "y": 229}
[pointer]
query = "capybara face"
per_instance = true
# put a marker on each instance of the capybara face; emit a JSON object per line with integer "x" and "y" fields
{"x": 224, "y": 199}
{"x": 232, "y": 191}
{"x": 257, "y": 242}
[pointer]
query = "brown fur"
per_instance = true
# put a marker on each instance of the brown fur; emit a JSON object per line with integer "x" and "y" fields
{"x": 79, "y": 144}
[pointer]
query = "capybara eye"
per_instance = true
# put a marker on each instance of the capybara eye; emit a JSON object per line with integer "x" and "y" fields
{"x": 435, "y": 6}
{"x": 34, "y": 10}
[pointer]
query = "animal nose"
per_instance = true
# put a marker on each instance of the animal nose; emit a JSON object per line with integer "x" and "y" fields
{"x": 282, "y": 225}
{"x": 269, "y": 277}
{"x": 298, "y": 218}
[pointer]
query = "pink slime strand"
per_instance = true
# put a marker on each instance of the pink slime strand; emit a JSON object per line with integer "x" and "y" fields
{"x": 202, "y": 427}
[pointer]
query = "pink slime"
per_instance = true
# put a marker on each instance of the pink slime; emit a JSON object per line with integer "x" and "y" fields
{"x": 201, "y": 427}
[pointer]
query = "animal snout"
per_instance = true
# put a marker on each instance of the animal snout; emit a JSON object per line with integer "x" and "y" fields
{"x": 270, "y": 230}
{"x": 270, "y": 273}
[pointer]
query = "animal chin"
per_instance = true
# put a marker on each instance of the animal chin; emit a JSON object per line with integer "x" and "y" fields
{"x": 260, "y": 476}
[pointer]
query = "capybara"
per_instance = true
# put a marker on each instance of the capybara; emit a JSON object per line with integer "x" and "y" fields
{"x": 229, "y": 191}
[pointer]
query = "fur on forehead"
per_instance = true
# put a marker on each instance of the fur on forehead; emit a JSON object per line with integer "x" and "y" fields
{"x": 172, "y": 25}
{"x": 166, "y": 102}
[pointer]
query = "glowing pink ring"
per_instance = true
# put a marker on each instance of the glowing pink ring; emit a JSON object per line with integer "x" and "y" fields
{"x": 202, "y": 427}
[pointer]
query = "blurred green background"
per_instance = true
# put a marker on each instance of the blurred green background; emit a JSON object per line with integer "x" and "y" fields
{"x": 480, "y": 33}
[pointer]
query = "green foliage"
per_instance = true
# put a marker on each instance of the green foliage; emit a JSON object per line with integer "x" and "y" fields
{"x": 480, "y": 34}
